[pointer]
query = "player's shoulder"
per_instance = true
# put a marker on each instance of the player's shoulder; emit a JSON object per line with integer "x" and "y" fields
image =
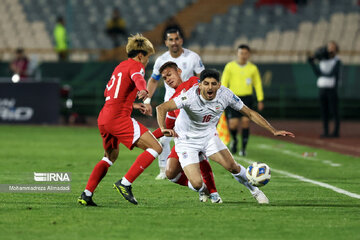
{"x": 231, "y": 64}
{"x": 189, "y": 83}
{"x": 189, "y": 53}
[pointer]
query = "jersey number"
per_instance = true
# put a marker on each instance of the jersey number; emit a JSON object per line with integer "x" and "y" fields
{"x": 206, "y": 118}
{"x": 112, "y": 84}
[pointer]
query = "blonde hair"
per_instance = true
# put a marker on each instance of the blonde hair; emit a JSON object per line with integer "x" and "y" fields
{"x": 138, "y": 42}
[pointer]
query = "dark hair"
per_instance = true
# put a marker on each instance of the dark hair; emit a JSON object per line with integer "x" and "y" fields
{"x": 244, "y": 46}
{"x": 134, "y": 53}
{"x": 168, "y": 64}
{"x": 173, "y": 30}
{"x": 210, "y": 73}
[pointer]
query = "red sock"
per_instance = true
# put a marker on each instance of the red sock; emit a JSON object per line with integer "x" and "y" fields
{"x": 208, "y": 176}
{"x": 96, "y": 175}
{"x": 183, "y": 181}
{"x": 157, "y": 133}
{"x": 140, "y": 164}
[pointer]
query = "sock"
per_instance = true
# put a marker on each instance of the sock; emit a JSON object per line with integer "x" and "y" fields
{"x": 204, "y": 189}
{"x": 244, "y": 137}
{"x": 88, "y": 193}
{"x": 125, "y": 182}
{"x": 157, "y": 133}
{"x": 140, "y": 164}
{"x": 180, "y": 179}
{"x": 191, "y": 187}
{"x": 97, "y": 174}
{"x": 208, "y": 176}
{"x": 165, "y": 143}
{"x": 233, "y": 134}
{"x": 241, "y": 178}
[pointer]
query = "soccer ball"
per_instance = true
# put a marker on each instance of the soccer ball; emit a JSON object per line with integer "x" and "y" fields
{"x": 258, "y": 174}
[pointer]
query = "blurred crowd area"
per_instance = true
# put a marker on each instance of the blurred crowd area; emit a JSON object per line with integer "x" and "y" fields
{"x": 279, "y": 31}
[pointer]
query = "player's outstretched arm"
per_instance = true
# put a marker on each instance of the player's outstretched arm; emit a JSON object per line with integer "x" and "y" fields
{"x": 161, "y": 111}
{"x": 259, "y": 120}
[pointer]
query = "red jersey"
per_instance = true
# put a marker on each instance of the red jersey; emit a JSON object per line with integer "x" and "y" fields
{"x": 121, "y": 90}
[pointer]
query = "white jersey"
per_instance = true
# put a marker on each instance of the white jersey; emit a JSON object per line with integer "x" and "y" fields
{"x": 189, "y": 62}
{"x": 198, "y": 117}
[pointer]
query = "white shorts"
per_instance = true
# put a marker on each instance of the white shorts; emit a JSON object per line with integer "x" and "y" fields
{"x": 188, "y": 150}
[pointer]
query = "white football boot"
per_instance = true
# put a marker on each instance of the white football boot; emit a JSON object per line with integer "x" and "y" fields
{"x": 215, "y": 198}
{"x": 161, "y": 175}
{"x": 203, "y": 197}
{"x": 260, "y": 197}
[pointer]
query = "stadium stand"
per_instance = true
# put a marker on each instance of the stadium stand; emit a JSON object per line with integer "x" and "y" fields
{"x": 264, "y": 28}
{"x": 278, "y": 33}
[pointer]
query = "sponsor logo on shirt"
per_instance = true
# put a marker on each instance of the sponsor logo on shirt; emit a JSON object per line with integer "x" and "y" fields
{"x": 185, "y": 155}
{"x": 183, "y": 98}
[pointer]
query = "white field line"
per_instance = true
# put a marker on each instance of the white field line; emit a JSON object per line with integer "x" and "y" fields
{"x": 304, "y": 179}
{"x": 297, "y": 155}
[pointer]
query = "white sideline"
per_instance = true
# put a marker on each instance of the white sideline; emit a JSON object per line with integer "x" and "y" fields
{"x": 294, "y": 154}
{"x": 304, "y": 179}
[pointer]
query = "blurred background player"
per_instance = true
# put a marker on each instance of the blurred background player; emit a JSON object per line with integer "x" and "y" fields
{"x": 61, "y": 39}
{"x": 328, "y": 72}
{"x": 116, "y": 28}
{"x": 189, "y": 62}
{"x": 205, "y": 103}
{"x": 19, "y": 66}
{"x": 116, "y": 125}
{"x": 241, "y": 76}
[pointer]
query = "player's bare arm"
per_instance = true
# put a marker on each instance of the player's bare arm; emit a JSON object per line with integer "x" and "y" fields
{"x": 142, "y": 95}
{"x": 151, "y": 86}
{"x": 259, "y": 120}
{"x": 161, "y": 111}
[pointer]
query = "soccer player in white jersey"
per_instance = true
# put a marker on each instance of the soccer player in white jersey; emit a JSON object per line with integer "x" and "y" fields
{"x": 195, "y": 129}
{"x": 190, "y": 63}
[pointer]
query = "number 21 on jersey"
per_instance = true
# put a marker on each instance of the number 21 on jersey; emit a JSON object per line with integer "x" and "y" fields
{"x": 113, "y": 80}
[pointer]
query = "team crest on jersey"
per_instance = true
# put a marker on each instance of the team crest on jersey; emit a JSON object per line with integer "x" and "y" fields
{"x": 142, "y": 72}
{"x": 217, "y": 108}
{"x": 185, "y": 155}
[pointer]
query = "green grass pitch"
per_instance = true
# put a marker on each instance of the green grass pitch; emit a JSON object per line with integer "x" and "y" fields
{"x": 297, "y": 209}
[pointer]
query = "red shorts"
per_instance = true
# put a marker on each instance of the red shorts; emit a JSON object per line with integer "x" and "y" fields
{"x": 173, "y": 154}
{"x": 122, "y": 130}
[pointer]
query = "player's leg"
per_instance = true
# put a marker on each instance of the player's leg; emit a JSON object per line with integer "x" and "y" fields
{"x": 193, "y": 173}
{"x": 165, "y": 143}
{"x": 208, "y": 177}
{"x": 225, "y": 159}
{"x": 151, "y": 148}
{"x": 233, "y": 123}
{"x": 110, "y": 145}
{"x": 245, "y": 132}
{"x": 174, "y": 171}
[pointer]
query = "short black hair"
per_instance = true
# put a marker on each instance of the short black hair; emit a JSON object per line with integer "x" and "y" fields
{"x": 210, "y": 73}
{"x": 173, "y": 30}
{"x": 134, "y": 53}
{"x": 244, "y": 46}
{"x": 168, "y": 64}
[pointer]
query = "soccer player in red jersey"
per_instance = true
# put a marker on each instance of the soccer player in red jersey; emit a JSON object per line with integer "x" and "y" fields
{"x": 171, "y": 74}
{"x": 116, "y": 125}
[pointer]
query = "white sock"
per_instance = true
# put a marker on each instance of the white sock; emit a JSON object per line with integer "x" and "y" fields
{"x": 191, "y": 186}
{"x": 203, "y": 188}
{"x": 241, "y": 178}
{"x": 125, "y": 182}
{"x": 165, "y": 143}
{"x": 88, "y": 193}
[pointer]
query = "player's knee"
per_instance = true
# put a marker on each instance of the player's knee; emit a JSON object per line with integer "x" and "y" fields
{"x": 171, "y": 172}
{"x": 197, "y": 183}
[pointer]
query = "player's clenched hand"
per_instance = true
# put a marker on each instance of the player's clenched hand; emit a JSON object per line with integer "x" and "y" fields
{"x": 169, "y": 132}
{"x": 284, "y": 133}
{"x": 142, "y": 95}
